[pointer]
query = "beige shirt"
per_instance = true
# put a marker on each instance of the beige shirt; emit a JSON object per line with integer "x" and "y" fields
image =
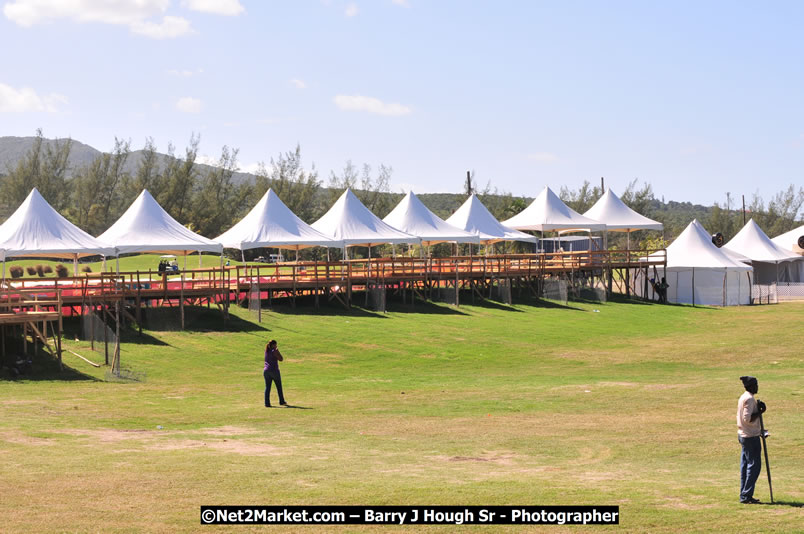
{"x": 745, "y": 407}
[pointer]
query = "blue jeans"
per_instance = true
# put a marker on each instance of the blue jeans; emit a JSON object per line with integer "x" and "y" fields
{"x": 273, "y": 376}
{"x": 750, "y": 466}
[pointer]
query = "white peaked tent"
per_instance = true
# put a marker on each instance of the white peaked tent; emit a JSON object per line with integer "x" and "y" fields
{"x": 771, "y": 263}
{"x": 700, "y": 273}
{"x": 548, "y": 213}
{"x": 350, "y": 222}
{"x": 612, "y": 211}
{"x": 413, "y": 217}
{"x": 792, "y": 240}
{"x": 474, "y": 217}
{"x": 270, "y": 223}
{"x": 147, "y": 227}
{"x": 36, "y": 229}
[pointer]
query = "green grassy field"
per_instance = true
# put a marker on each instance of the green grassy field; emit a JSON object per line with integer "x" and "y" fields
{"x": 631, "y": 405}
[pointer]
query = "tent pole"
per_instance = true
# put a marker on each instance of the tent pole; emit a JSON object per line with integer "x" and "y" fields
{"x": 199, "y": 259}
{"x": 75, "y": 264}
{"x": 185, "y": 262}
{"x": 117, "y": 264}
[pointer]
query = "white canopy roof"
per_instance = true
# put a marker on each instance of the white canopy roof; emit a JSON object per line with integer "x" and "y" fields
{"x": 349, "y": 221}
{"x": 752, "y": 242}
{"x": 474, "y": 217}
{"x": 547, "y": 212}
{"x": 693, "y": 248}
{"x": 36, "y": 229}
{"x": 271, "y": 224}
{"x": 146, "y": 227}
{"x": 413, "y": 217}
{"x": 612, "y": 211}
{"x": 792, "y": 240}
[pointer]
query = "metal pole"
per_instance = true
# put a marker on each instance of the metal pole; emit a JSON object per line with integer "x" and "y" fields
{"x": 765, "y": 449}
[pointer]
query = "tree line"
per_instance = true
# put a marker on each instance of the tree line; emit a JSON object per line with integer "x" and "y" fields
{"x": 209, "y": 200}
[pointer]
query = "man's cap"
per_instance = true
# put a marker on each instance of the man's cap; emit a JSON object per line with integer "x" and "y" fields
{"x": 748, "y": 380}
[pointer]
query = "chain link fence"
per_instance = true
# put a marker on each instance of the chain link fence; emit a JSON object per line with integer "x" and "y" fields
{"x": 443, "y": 292}
{"x": 790, "y": 291}
{"x": 502, "y": 290}
{"x": 376, "y": 296}
{"x": 764, "y": 294}
{"x": 94, "y": 329}
{"x": 555, "y": 289}
{"x": 254, "y": 302}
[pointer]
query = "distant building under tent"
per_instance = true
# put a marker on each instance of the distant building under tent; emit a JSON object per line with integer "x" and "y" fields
{"x": 574, "y": 243}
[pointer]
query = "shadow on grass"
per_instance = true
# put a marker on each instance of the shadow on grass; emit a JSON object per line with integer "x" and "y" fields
{"x": 135, "y": 338}
{"x": 426, "y": 307}
{"x": 548, "y": 304}
{"x": 490, "y": 304}
{"x": 293, "y": 407}
{"x": 329, "y": 309}
{"x": 45, "y": 371}
{"x": 196, "y": 319}
{"x": 619, "y": 298}
{"x": 792, "y": 504}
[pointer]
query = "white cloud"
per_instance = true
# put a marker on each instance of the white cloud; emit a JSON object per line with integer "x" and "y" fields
{"x": 351, "y": 9}
{"x": 25, "y": 99}
{"x": 298, "y": 84}
{"x": 184, "y": 73}
{"x": 544, "y": 157}
{"x": 251, "y": 168}
{"x": 229, "y": 8}
{"x": 29, "y": 12}
{"x": 205, "y": 159}
{"x": 403, "y": 3}
{"x": 136, "y": 14}
{"x": 188, "y": 104}
{"x": 369, "y": 104}
{"x": 169, "y": 28}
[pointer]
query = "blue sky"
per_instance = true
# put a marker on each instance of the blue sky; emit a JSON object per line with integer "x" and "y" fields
{"x": 696, "y": 98}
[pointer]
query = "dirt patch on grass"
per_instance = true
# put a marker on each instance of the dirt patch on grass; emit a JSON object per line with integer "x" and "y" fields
{"x": 237, "y": 446}
{"x": 678, "y": 504}
{"x": 588, "y": 455}
{"x": 109, "y": 435}
{"x": 164, "y": 440}
{"x": 659, "y": 387}
{"x": 496, "y": 457}
{"x": 24, "y": 439}
{"x": 229, "y": 431}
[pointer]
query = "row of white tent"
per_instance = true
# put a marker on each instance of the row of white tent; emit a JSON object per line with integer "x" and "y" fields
{"x": 698, "y": 272}
{"x": 36, "y": 229}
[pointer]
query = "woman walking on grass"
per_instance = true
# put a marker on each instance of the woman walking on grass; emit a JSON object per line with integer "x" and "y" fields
{"x": 271, "y": 373}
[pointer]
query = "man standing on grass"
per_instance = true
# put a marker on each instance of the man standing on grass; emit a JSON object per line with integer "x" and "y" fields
{"x": 748, "y": 432}
{"x": 271, "y": 373}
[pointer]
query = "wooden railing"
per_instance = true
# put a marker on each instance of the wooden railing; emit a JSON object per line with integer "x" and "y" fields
{"x": 150, "y": 284}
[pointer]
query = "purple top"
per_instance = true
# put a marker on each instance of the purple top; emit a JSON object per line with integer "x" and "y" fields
{"x": 272, "y": 359}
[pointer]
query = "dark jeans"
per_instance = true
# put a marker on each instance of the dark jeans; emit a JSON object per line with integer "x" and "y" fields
{"x": 750, "y": 466}
{"x": 273, "y": 376}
